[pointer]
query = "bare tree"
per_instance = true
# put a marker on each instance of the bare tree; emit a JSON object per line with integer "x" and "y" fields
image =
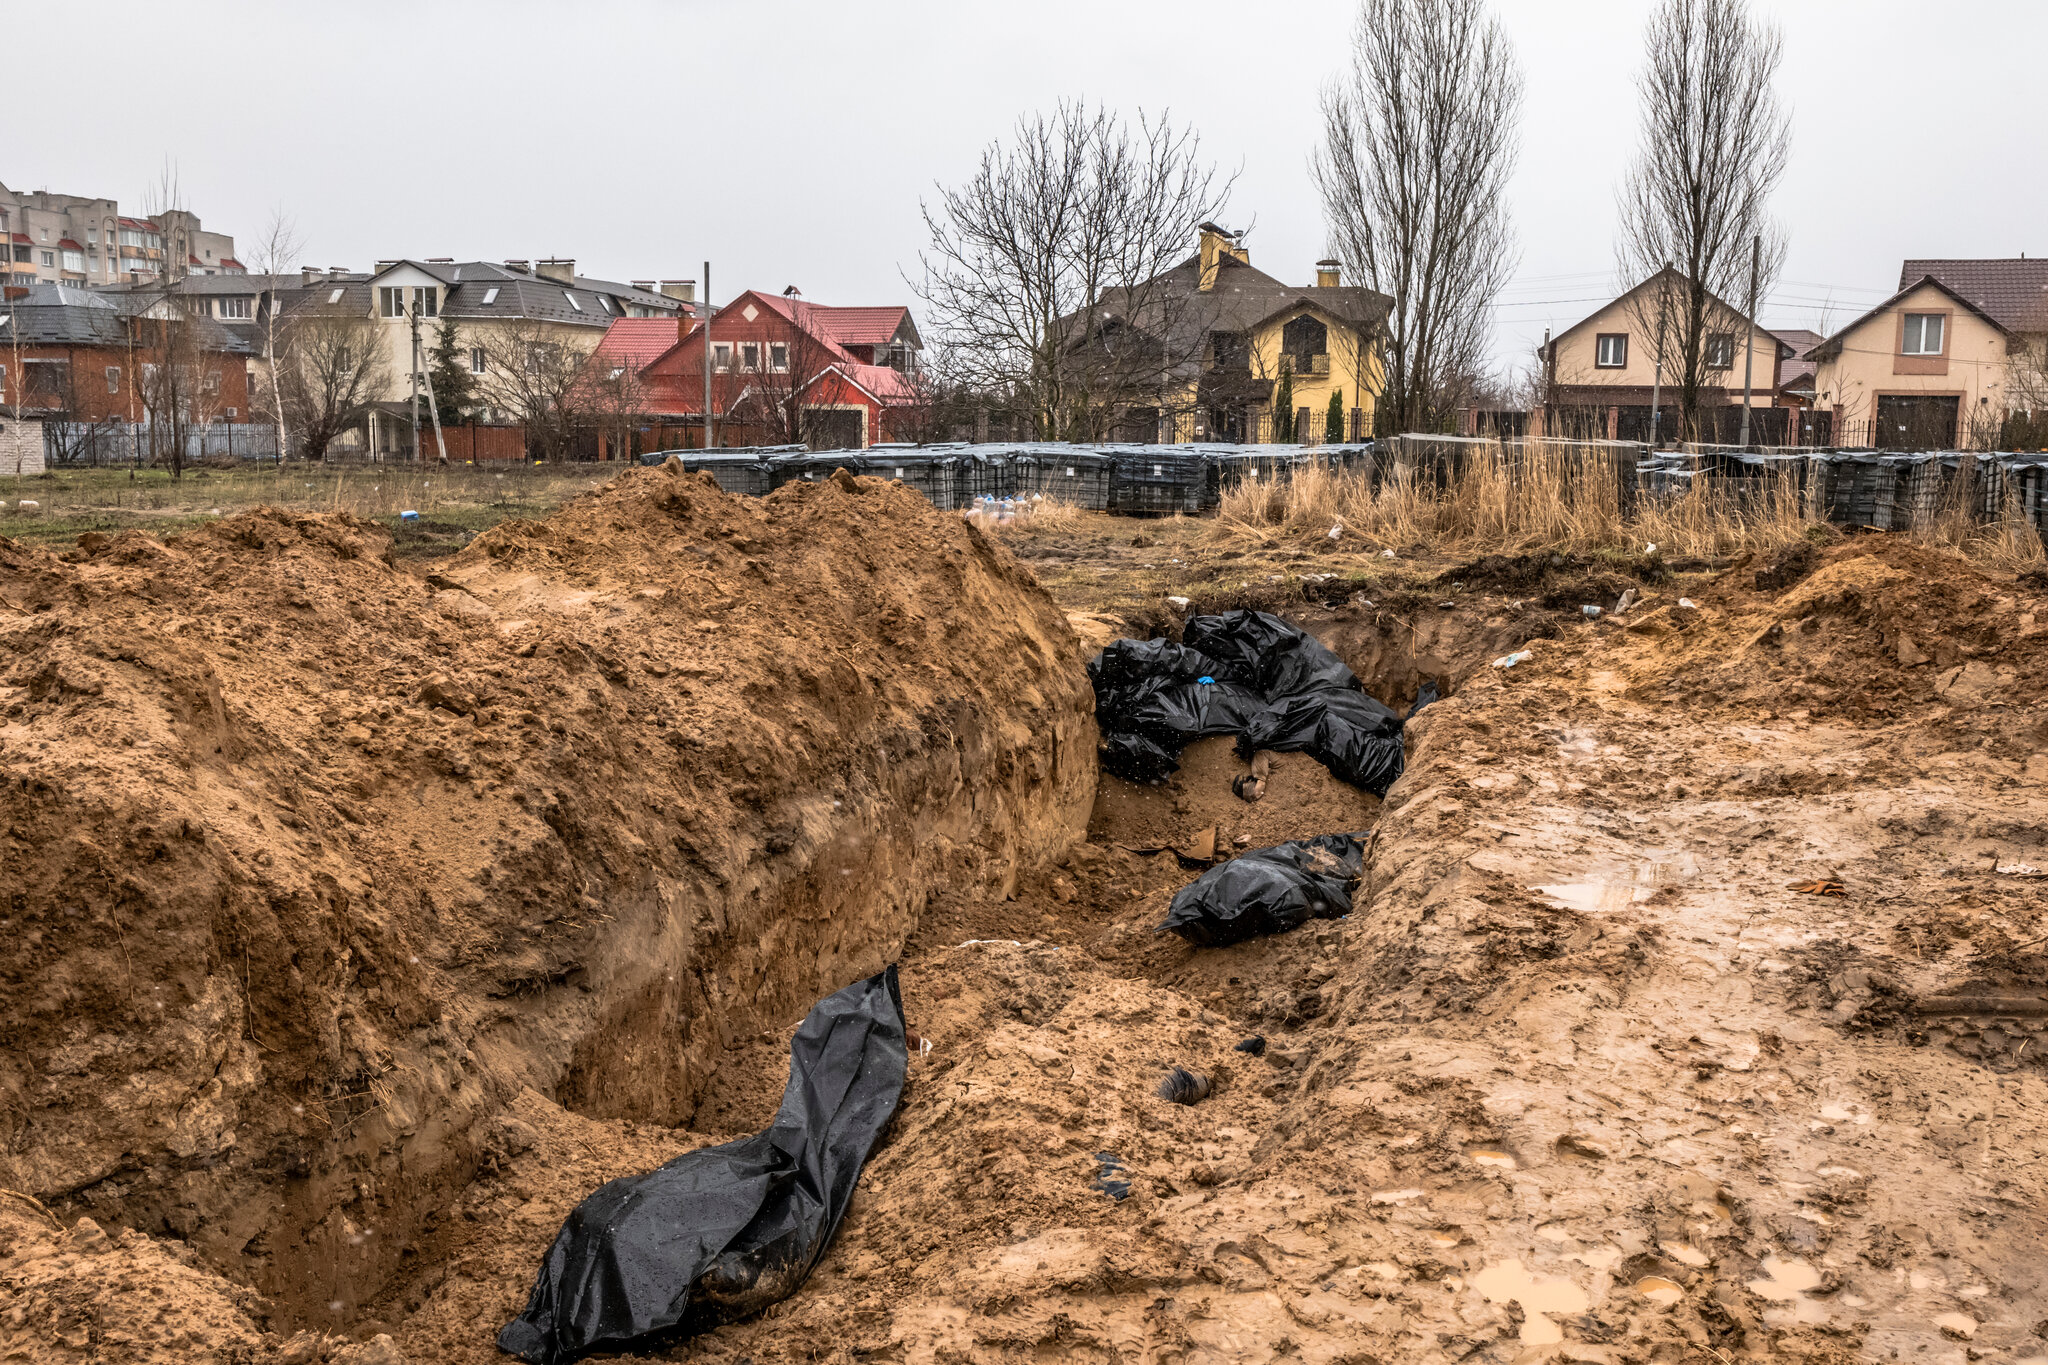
{"x": 1714, "y": 145}
{"x": 1046, "y": 274}
{"x": 332, "y": 364}
{"x": 534, "y": 372}
{"x": 272, "y": 255}
{"x": 1419, "y": 139}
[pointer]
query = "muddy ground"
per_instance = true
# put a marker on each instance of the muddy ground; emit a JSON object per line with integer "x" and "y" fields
{"x": 1691, "y": 1010}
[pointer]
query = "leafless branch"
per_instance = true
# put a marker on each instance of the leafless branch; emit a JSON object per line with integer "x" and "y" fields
{"x": 1419, "y": 139}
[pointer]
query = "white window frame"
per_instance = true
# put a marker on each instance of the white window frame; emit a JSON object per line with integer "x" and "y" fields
{"x": 113, "y": 379}
{"x": 750, "y": 357}
{"x": 491, "y": 295}
{"x": 426, "y": 300}
{"x": 1600, "y": 361}
{"x": 572, "y": 300}
{"x": 1725, "y": 340}
{"x": 778, "y": 357}
{"x": 235, "y": 306}
{"x": 721, "y": 356}
{"x": 1913, "y": 340}
{"x": 334, "y": 296}
{"x": 390, "y": 301}
{"x": 478, "y": 364}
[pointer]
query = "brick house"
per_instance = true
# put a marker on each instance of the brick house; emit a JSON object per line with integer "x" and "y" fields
{"x": 85, "y": 356}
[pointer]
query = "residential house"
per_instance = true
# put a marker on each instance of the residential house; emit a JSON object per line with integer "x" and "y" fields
{"x": 1601, "y": 373}
{"x": 89, "y": 356}
{"x": 80, "y": 240}
{"x": 1219, "y": 334}
{"x": 1948, "y": 360}
{"x": 783, "y": 370}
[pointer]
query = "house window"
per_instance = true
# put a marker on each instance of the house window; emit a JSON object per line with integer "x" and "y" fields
{"x": 390, "y": 302}
{"x": 1720, "y": 350}
{"x": 721, "y": 356}
{"x": 476, "y": 360}
{"x": 572, "y": 300}
{"x": 426, "y": 300}
{"x": 491, "y": 294}
{"x": 334, "y": 296}
{"x": 113, "y": 379}
{"x": 74, "y": 261}
{"x": 778, "y": 356}
{"x": 1610, "y": 351}
{"x": 24, "y": 254}
{"x": 50, "y": 258}
{"x": 234, "y": 307}
{"x": 750, "y": 356}
{"x": 92, "y": 236}
{"x": 1924, "y": 334}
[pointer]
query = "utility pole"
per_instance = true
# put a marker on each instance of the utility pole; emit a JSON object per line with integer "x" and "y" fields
{"x": 707, "y": 355}
{"x": 413, "y": 313}
{"x": 1756, "y": 252}
{"x": 1657, "y": 375}
{"x": 433, "y": 405}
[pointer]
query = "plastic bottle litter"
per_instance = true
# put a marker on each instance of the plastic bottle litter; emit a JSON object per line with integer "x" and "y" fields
{"x": 1628, "y": 599}
{"x": 1510, "y": 660}
{"x": 408, "y": 516}
{"x": 28, "y": 505}
{"x": 1688, "y": 604}
{"x": 1651, "y": 548}
{"x": 1590, "y": 612}
{"x": 1180, "y": 603}
{"x": 1337, "y": 531}
{"x": 1386, "y": 554}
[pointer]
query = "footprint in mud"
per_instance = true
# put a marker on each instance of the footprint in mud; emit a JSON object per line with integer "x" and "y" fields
{"x": 1537, "y": 1295}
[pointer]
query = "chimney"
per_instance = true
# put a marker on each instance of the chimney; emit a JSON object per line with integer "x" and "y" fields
{"x": 309, "y": 274}
{"x": 1326, "y": 274}
{"x": 557, "y": 268}
{"x": 686, "y": 290}
{"x": 520, "y": 266}
{"x": 1217, "y": 243}
{"x": 648, "y": 285}
{"x": 440, "y": 260}
{"x": 337, "y": 272}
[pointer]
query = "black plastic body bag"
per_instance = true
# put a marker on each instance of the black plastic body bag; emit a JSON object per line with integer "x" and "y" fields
{"x": 1268, "y": 891}
{"x": 722, "y": 1232}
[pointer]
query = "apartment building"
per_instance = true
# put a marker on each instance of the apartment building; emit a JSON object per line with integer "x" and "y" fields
{"x": 75, "y": 240}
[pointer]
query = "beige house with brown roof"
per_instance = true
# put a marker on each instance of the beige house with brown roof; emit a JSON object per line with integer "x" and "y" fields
{"x": 1601, "y": 372}
{"x": 1943, "y": 362}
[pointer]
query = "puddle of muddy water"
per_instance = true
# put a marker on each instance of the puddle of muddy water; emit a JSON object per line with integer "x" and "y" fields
{"x": 1788, "y": 1283}
{"x": 1659, "y": 1290}
{"x": 1538, "y": 1296}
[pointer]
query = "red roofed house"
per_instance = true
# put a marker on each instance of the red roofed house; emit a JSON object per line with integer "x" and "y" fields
{"x": 784, "y": 371}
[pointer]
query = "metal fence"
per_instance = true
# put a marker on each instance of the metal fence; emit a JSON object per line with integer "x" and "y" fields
{"x": 85, "y": 445}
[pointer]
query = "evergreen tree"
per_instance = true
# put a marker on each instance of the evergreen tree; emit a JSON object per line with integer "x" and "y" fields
{"x": 448, "y": 375}
{"x": 1283, "y": 404}
{"x": 1333, "y": 420}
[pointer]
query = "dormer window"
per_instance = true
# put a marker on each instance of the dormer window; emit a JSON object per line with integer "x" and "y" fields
{"x": 491, "y": 294}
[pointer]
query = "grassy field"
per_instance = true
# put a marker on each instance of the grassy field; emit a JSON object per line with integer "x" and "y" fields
{"x": 454, "y": 502}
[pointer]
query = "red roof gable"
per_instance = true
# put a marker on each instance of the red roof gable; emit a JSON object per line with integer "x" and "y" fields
{"x": 858, "y": 326}
{"x": 21, "y": 237}
{"x": 229, "y": 260}
{"x": 68, "y": 244}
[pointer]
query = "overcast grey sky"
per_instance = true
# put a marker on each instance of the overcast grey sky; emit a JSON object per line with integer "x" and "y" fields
{"x": 789, "y": 143}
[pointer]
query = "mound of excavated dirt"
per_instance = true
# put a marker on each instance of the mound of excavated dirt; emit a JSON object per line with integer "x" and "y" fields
{"x": 1879, "y": 624}
{"x": 313, "y": 867}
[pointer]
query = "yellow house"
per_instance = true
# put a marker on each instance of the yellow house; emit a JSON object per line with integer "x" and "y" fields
{"x": 1233, "y": 340}
{"x": 1941, "y": 363}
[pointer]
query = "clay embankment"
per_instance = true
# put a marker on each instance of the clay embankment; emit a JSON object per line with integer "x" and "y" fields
{"x": 311, "y": 867}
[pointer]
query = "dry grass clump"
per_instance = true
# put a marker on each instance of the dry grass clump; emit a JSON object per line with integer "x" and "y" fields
{"x": 2007, "y": 540}
{"x": 1538, "y": 495}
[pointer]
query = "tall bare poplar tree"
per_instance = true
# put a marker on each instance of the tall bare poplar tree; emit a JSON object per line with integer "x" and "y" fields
{"x": 1714, "y": 146}
{"x": 1043, "y": 275}
{"x": 1419, "y": 139}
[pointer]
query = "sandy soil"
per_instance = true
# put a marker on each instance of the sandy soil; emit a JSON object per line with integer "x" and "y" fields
{"x": 1583, "y": 1076}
